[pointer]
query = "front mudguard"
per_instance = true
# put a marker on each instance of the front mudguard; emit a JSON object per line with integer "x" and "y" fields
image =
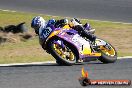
{"x": 65, "y": 40}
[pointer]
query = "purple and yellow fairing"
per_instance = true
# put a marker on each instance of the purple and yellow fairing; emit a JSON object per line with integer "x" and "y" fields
{"x": 72, "y": 36}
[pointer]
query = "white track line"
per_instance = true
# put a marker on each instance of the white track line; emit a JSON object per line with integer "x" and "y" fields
{"x": 112, "y": 22}
{"x": 44, "y": 63}
{"x": 32, "y": 63}
{"x": 7, "y": 10}
{"x": 125, "y": 57}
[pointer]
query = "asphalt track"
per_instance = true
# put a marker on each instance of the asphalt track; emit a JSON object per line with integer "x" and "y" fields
{"x": 107, "y": 10}
{"x": 53, "y": 76}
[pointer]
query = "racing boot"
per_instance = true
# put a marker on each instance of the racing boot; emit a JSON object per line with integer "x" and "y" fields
{"x": 88, "y": 28}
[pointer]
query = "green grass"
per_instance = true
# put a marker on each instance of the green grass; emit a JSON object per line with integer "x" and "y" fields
{"x": 118, "y": 34}
{"x": 23, "y": 52}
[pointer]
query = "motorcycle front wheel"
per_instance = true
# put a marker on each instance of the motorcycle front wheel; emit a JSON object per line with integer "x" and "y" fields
{"x": 63, "y": 52}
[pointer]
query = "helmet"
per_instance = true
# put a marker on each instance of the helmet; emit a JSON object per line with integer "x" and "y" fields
{"x": 51, "y": 22}
{"x": 75, "y": 21}
{"x": 38, "y": 22}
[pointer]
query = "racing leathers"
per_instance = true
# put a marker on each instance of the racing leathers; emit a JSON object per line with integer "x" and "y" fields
{"x": 84, "y": 33}
{"x": 80, "y": 28}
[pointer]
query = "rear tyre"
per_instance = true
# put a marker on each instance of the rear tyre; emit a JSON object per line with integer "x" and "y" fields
{"x": 108, "y": 54}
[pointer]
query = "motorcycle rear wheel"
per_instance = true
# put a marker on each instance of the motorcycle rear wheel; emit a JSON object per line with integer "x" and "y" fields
{"x": 108, "y": 54}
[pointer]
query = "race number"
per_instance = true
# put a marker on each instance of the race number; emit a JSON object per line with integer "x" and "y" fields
{"x": 46, "y": 32}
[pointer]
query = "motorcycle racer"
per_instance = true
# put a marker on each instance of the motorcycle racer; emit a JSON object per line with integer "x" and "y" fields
{"x": 39, "y": 24}
{"x": 67, "y": 46}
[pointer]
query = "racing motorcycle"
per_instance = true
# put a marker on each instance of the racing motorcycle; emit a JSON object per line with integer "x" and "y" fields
{"x": 69, "y": 48}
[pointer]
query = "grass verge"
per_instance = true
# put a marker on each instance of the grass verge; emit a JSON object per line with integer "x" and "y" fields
{"x": 118, "y": 34}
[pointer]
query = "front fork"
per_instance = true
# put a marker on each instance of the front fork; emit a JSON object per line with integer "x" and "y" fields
{"x": 59, "y": 43}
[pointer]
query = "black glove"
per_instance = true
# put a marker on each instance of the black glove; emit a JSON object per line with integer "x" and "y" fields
{"x": 60, "y": 23}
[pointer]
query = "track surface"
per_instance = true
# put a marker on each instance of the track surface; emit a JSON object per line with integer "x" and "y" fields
{"x": 110, "y": 10}
{"x": 53, "y": 76}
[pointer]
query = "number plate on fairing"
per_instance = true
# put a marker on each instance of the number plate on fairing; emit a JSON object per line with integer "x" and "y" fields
{"x": 46, "y": 32}
{"x": 82, "y": 44}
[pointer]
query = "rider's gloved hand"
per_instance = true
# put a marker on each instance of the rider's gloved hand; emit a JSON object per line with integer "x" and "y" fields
{"x": 61, "y": 23}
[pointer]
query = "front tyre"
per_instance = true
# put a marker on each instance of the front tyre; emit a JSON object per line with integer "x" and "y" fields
{"x": 62, "y": 51}
{"x": 108, "y": 53}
